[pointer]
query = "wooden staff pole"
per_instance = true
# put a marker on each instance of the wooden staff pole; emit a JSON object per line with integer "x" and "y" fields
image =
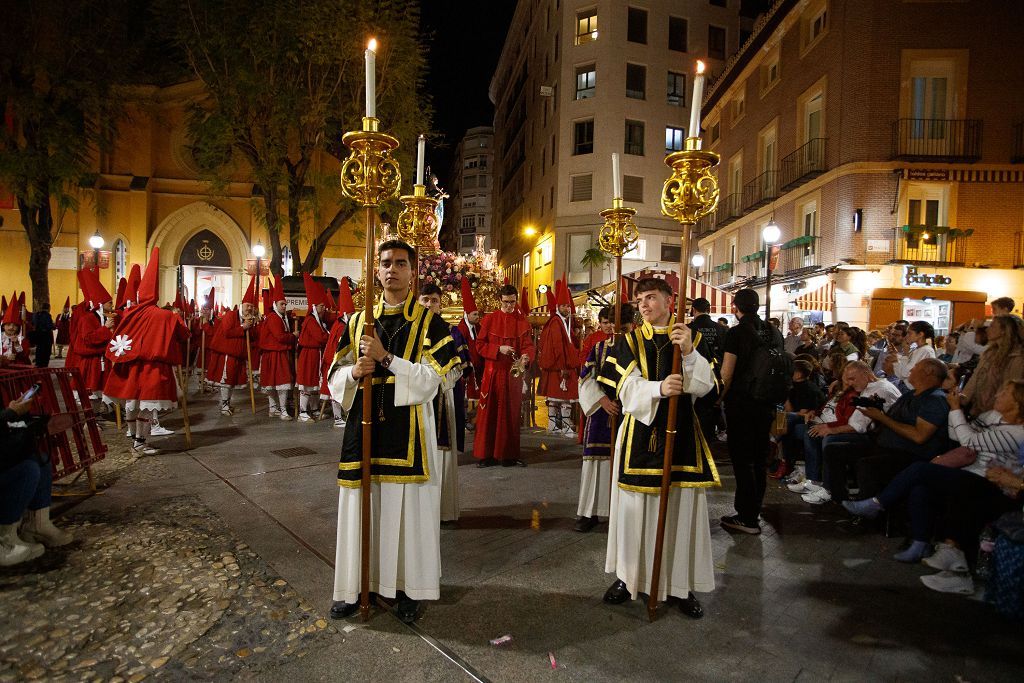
{"x": 202, "y": 359}
{"x": 670, "y": 430}
{"x": 248, "y": 362}
{"x": 612, "y": 420}
{"x": 368, "y": 329}
{"x": 184, "y": 409}
{"x": 295, "y": 359}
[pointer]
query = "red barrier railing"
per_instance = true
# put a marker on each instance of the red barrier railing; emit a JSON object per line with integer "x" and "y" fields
{"x": 61, "y": 392}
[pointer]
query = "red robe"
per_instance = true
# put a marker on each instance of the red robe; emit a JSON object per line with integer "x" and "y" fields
{"x": 591, "y": 340}
{"x": 559, "y": 362}
{"x": 228, "y": 352}
{"x": 145, "y": 372}
{"x": 312, "y": 340}
{"x": 91, "y": 339}
{"x": 501, "y": 395}
{"x": 18, "y": 345}
{"x": 63, "y": 329}
{"x": 337, "y": 330}
{"x": 276, "y": 345}
{"x": 78, "y": 312}
{"x": 475, "y": 359}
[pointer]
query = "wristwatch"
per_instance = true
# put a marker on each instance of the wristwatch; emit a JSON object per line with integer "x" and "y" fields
{"x": 386, "y": 363}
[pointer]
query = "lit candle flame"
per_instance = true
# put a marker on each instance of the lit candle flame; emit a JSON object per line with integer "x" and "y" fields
{"x": 372, "y": 45}
{"x": 700, "y": 66}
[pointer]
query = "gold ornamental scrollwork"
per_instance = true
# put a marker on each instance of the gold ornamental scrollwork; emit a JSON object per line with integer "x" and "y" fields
{"x": 619, "y": 233}
{"x": 691, "y": 192}
{"x": 370, "y": 176}
{"x": 417, "y": 223}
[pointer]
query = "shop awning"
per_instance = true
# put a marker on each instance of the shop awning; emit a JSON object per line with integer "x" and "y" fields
{"x": 821, "y": 299}
{"x": 721, "y": 301}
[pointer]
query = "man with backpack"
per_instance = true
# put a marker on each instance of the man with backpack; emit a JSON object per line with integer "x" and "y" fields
{"x": 757, "y": 374}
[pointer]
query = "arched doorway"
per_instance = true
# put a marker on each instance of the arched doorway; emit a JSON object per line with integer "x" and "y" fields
{"x": 205, "y": 265}
{"x": 179, "y": 234}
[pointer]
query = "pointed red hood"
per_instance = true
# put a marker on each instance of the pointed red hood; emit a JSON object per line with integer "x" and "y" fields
{"x": 122, "y": 286}
{"x": 314, "y": 291}
{"x": 345, "y": 303}
{"x": 468, "y": 302}
{"x": 149, "y": 287}
{"x": 67, "y": 304}
{"x": 250, "y": 292}
{"x": 277, "y": 293}
{"x": 562, "y": 295}
{"x": 12, "y": 314}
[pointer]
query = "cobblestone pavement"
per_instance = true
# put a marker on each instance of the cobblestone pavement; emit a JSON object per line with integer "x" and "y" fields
{"x": 158, "y": 590}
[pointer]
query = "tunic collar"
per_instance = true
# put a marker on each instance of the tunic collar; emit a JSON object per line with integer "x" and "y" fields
{"x": 648, "y": 330}
{"x": 408, "y": 308}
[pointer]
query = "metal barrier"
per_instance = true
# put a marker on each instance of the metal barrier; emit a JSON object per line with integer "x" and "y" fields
{"x": 61, "y": 392}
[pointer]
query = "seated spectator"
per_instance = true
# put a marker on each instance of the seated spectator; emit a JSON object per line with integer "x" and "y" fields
{"x": 834, "y": 365}
{"x": 795, "y": 336}
{"x": 975, "y": 483}
{"x": 859, "y": 382}
{"x": 969, "y": 345}
{"x": 827, "y": 339}
{"x": 1002, "y": 360}
{"x": 948, "y": 345}
{"x": 808, "y": 343}
{"x": 1004, "y": 305}
{"x": 805, "y": 397}
{"x": 24, "y": 487}
{"x": 919, "y": 337}
{"x": 828, "y": 422}
{"x": 817, "y": 376}
{"x": 876, "y": 345}
{"x": 894, "y": 342}
{"x": 912, "y": 430}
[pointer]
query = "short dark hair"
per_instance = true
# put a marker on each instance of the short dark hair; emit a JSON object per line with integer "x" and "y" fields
{"x": 1004, "y": 302}
{"x": 903, "y": 322}
{"x": 651, "y": 284}
{"x": 626, "y": 314}
{"x": 724, "y": 321}
{"x": 922, "y": 327}
{"x": 508, "y": 290}
{"x": 430, "y": 289}
{"x": 398, "y": 244}
{"x": 747, "y": 301}
{"x": 701, "y": 305}
{"x": 803, "y": 367}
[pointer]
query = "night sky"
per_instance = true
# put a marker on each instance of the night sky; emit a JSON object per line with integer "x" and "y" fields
{"x": 465, "y": 40}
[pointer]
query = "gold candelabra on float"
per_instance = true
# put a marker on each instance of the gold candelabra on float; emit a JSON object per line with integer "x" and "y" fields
{"x": 370, "y": 177}
{"x": 417, "y": 225}
{"x": 689, "y": 194}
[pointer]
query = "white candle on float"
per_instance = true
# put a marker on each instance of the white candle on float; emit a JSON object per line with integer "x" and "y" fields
{"x": 698, "y": 96}
{"x": 616, "y": 177}
{"x": 370, "y": 57}
{"x": 421, "y": 150}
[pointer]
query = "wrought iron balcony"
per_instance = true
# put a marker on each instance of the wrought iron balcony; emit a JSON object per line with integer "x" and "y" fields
{"x": 761, "y": 190}
{"x": 1017, "y": 155}
{"x": 930, "y": 245}
{"x": 729, "y": 209}
{"x": 799, "y": 253}
{"x": 949, "y": 140}
{"x": 807, "y": 162}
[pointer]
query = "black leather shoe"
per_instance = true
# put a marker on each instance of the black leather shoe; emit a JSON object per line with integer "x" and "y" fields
{"x": 513, "y": 463}
{"x": 616, "y": 593}
{"x": 407, "y": 610}
{"x": 585, "y": 524}
{"x": 343, "y": 610}
{"x": 691, "y": 607}
{"x": 487, "y": 462}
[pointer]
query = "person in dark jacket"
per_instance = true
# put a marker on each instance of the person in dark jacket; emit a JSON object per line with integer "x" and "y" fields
{"x": 708, "y": 337}
{"x": 42, "y": 335}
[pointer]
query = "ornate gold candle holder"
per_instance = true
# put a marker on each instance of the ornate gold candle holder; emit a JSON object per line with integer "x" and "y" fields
{"x": 370, "y": 176}
{"x": 619, "y": 234}
{"x": 417, "y": 223}
{"x": 691, "y": 192}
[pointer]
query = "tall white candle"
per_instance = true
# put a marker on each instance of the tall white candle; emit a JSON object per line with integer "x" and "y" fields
{"x": 371, "y": 78}
{"x": 616, "y": 177}
{"x": 698, "y": 96}
{"x": 421, "y": 150}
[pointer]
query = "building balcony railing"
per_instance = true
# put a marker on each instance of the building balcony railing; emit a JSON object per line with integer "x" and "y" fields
{"x": 799, "y": 253}
{"x": 761, "y": 190}
{"x": 729, "y": 209}
{"x": 706, "y": 225}
{"x": 1017, "y": 155}
{"x": 1018, "y": 250}
{"x": 807, "y": 162}
{"x": 949, "y": 140}
{"x": 930, "y": 245}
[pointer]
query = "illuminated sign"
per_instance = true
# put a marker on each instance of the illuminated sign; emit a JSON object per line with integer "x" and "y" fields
{"x": 912, "y": 277}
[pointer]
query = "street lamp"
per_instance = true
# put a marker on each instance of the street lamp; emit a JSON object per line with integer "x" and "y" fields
{"x": 259, "y": 252}
{"x": 697, "y": 262}
{"x": 529, "y": 231}
{"x": 96, "y": 242}
{"x": 771, "y": 235}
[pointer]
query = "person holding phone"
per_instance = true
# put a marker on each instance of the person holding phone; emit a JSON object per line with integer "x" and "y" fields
{"x": 25, "y": 485}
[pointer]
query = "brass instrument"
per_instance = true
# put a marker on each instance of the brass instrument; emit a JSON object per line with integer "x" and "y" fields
{"x": 518, "y": 366}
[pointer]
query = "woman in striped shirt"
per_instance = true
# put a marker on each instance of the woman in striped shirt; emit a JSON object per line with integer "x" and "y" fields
{"x": 963, "y": 482}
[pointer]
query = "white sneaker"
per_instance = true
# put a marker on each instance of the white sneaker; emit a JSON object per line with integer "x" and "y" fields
{"x": 947, "y": 558}
{"x": 143, "y": 448}
{"x": 723, "y": 437}
{"x": 129, "y": 434}
{"x": 819, "y": 497}
{"x": 950, "y": 582}
{"x": 339, "y": 424}
{"x": 225, "y": 409}
{"x": 284, "y": 416}
{"x": 805, "y": 486}
{"x": 38, "y": 528}
{"x": 275, "y": 412}
{"x": 305, "y": 417}
{"x": 13, "y": 550}
{"x": 160, "y": 430}
{"x": 796, "y": 476}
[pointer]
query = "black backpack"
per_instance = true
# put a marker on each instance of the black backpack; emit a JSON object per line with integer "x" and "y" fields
{"x": 771, "y": 369}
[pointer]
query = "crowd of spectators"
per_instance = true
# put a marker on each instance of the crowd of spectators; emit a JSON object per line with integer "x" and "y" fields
{"x": 927, "y": 431}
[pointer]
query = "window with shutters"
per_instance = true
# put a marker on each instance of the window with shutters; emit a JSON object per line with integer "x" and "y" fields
{"x": 677, "y": 29}
{"x": 582, "y": 188}
{"x": 633, "y": 189}
{"x": 583, "y": 137}
{"x": 634, "y": 138}
{"x": 636, "y": 81}
{"x": 636, "y": 25}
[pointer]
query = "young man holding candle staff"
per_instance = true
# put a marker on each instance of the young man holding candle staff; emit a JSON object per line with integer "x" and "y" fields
{"x": 408, "y": 357}
{"x": 637, "y": 373}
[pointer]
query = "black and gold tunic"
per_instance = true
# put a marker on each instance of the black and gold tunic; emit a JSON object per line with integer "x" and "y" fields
{"x": 399, "y": 440}
{"x": 648, "y": 350}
